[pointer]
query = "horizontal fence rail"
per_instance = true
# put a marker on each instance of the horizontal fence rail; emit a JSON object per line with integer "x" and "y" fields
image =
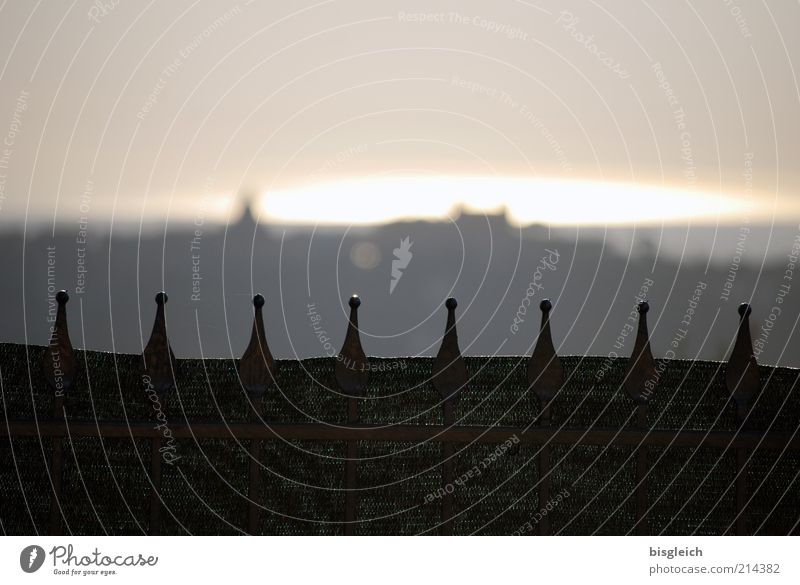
{"x": 542, "y": 378}
{"x": 403, "y": 433}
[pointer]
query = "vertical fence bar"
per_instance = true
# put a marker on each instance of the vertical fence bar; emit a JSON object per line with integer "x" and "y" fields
{"x": 544, "y": 475}
{"x": 741, "y": 491}
{"x": 545, "y": 379}
{"x": 59, "y": 367}
{"x": 448, "y": 472}
{"x": 159, "y": 374}
{"x": 743, "y": 382}
{"x": 57, "y": 473}
{"x": 352, "y": 374}
{"x": 256, "y": 373}
{"x": 642, "y": 468}
{"x": 640, "y": 382}
{"x": 254, "y": 472}
{"x": 449, "y": 377}
{"x": 155, "y": 492}
{"x": 351, "y": 472}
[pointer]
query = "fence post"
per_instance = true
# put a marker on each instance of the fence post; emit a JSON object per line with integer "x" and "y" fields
{"x": 640, "y": 381}
{"x": 58, "y": 366}
{"x": 256, "y": 372}
{"x": 545, "y": 379}
{"x": 352, "y": 375}
{"x": 449, "y": 377}
{"x": 743, "y": 382}
{"x": 159, "y": 370}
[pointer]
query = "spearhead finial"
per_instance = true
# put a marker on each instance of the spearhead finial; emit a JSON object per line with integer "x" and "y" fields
{"x": 545, "y": 372}
{"x": 59, "y": 363}
{"x": 159, "y": 361}
{"x": 640, "y": 375}
{"x": 742, "y": 376}
{"x": 352, "y": 367}
{"x": 257, "y": 366}
{"x": 449, "y": 371}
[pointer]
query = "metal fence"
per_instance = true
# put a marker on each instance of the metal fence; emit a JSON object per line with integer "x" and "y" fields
{"x": 544, "y": 378}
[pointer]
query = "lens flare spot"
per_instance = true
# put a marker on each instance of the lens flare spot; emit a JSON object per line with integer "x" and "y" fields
{"x": 365, "y": 255}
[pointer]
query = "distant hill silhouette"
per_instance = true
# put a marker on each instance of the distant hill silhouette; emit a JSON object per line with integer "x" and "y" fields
{"x": 487, "y": 264}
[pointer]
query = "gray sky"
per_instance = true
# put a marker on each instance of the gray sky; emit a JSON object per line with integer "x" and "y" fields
{"x": 168, "y": 110}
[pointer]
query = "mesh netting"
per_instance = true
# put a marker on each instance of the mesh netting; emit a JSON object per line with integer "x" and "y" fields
{"x": 106, "y": 485}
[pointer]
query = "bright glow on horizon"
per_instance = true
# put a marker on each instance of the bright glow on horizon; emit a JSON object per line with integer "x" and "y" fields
{"x": 214, "y": 207}
{"x": 526, "y": 201}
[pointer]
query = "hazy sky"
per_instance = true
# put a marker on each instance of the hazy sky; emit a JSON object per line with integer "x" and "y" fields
{"x": 171, "y": 109}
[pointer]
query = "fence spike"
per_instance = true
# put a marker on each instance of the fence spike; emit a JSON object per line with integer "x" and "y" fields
{"x": 352, "y": 367}
{"x": 449, "y": 371}
{"x": 59, "y": 362}
{"x": 741, "y": 376}
{"x": 640, "y": 374}
{"x": 545, "y": 372}
{"x": 257, "y": 366}
{"x": 159, "y": 361}
{"x": 545, "y": 378}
